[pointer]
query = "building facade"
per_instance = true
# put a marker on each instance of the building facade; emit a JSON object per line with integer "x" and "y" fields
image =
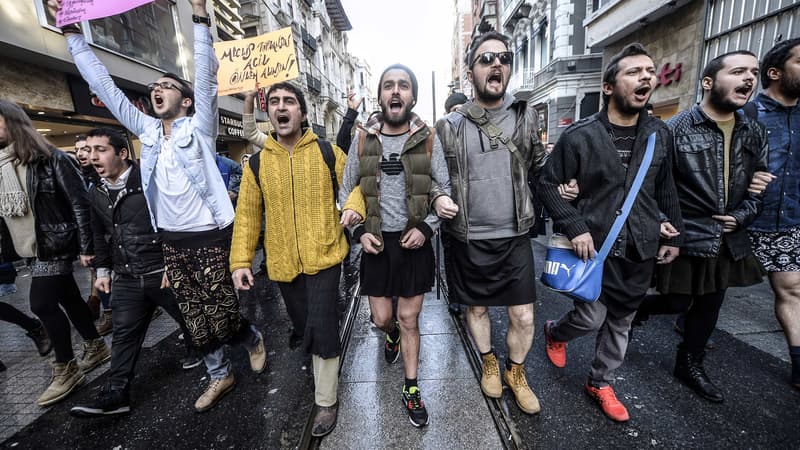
{"x": 37, "y": 72}
{"x": 670, "y": 31}
{"x": 327, "y": 70}
{"x": 462, "y": 36}
{"x": 553, "y": 66}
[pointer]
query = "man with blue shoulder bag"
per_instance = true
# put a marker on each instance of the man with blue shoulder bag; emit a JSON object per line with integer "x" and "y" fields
{"x": 618, "y": 208}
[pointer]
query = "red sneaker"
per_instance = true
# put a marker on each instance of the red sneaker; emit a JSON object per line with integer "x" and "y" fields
{"x": 608, "y": 402}
{"x": 556, "y": 351}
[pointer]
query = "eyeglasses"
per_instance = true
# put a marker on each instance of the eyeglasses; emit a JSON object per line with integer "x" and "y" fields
{"x": 487, "y": 58}
{"x": 163, "y": 85}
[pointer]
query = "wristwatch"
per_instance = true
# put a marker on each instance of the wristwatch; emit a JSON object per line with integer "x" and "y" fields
{"x": 205, "y": 20}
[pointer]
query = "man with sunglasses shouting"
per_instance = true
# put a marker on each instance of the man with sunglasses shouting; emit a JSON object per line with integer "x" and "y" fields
{"x": 490, "y": 144}
{"x": 187, "y": 199}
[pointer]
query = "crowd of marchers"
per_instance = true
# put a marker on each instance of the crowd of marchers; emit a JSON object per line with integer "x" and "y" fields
{"x": 718, "y": 207}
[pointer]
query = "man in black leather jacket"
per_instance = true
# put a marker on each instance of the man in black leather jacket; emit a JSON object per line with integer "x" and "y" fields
{"x": 119, "y": 210}
{"x": 717, "y": 152}
{"x": 604, "y": 153}
{"x": 44, "y": 204}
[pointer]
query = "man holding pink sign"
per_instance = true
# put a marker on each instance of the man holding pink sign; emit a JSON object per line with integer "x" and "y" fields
{"x": 188, "y": 200}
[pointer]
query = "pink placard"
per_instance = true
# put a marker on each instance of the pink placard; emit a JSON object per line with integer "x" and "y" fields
{"x": 73, "y": 11}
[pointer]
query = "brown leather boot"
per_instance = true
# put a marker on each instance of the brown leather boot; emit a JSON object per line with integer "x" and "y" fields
{"x": 526, "y": 399}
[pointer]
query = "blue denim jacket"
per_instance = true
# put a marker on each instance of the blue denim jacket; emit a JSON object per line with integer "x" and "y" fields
{"x": 782, "y": 198}
{"x": 194, "y": 137}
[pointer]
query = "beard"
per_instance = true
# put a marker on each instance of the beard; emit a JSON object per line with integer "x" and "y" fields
{"x": 400, "y": 120}
{"x": 624, "y": 105}
{"x": 483, "y": 94}
{"x": 171, "y": 112}
{"x": 790, "y": 86}
{"x": 720, "y": 101}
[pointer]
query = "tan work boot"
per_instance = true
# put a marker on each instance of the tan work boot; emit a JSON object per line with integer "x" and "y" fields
{"x": 526, "y": 399}
{"x": 214, "y": 392}
{"x": 490, "y": 378}
{"x": 258, "y": 357}
{"x": 106, "y": 325}
{"x": 66, "y": 377}
{"x": 95, "y": 353}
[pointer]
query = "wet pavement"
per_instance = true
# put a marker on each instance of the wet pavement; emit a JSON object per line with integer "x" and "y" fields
{"x": 271, "y": 410}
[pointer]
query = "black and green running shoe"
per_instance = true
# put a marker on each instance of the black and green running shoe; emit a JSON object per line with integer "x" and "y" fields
{"x": 391, "y": 349}
{"x": 415, "y": 407}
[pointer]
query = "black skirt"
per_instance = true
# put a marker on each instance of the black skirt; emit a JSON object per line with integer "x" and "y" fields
{"x": 492, "y": 272}
{"x": 693, "y": 275}
{"x": 396, "y": 271}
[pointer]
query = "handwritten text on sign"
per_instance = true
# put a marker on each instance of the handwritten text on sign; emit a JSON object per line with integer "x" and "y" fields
{"x": 73, "y": 11}
{"x": 262, "y": 60}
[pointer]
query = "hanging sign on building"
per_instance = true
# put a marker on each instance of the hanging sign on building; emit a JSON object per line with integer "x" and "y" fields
{"x": 230, "y": 126}
{"x": 256, "y": 62}
{"x": 74, "y": 11}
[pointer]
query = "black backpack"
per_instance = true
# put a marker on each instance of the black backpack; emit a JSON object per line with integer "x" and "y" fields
{"x": 327, "y": 154}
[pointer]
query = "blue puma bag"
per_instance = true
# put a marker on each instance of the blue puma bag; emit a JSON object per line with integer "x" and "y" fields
{"x": 565, "y": 272}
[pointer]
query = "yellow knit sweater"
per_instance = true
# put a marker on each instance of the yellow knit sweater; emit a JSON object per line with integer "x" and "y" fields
{"x": 303, "y": 233}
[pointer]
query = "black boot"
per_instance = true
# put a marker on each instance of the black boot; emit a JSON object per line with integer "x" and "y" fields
{"x": 41, "y": 339}
{"x": 689, "y": 369}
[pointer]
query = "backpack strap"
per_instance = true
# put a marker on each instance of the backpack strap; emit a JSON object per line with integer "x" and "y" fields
{"x": 253, "y": 162}
{"x": 477, "y": 115}
{"x": 330, "y": 160}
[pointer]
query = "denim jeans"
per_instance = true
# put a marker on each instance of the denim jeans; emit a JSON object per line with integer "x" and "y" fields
{"x": 218, "y": 365}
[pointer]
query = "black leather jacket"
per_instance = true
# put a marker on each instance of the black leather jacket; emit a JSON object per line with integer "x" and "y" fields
{"x": 60, "y": 207}
{"x": 585, "y": 152}
{"x": 699, "y": 178}
{"x": 124, "y": 238}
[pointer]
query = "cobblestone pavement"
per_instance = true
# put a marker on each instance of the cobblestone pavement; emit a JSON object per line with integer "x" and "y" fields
{"x": 28, "y": 374}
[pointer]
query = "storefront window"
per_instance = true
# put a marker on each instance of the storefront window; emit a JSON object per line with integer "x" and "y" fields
{"x": 146, "y": 33}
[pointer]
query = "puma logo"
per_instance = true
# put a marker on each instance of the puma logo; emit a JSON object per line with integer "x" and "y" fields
{"x": 552, "y": 268}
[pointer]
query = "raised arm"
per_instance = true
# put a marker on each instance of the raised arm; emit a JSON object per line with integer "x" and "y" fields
{"x": 206, "y": 116}
{"x": 99, "y": 80}
{"x": 251, "y": 133}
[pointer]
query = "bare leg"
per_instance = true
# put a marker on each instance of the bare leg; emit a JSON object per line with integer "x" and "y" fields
{"x": 381, "y": 310}
{"x": 520, "y": 332}
{"x": 408, "y": 309}
{"x": 786, "y": 286}
{"x": 480, "y": 326}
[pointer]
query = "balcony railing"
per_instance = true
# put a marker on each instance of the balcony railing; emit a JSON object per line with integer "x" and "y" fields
{"x": 314, "y": 84}
{"x": 308, "y": 40}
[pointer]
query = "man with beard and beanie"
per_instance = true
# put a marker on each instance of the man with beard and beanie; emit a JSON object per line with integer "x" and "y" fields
{"x": 604, "y": 152}
{"x": 490, "y": 144}
{"x": 45, "y": 206}
{"x": 291, "y": 181}
{"x": 775, "y": 234}
{"x": 717, "y": 152}
{"x": 187, "y": 199}
{"x": 398, "y": 165}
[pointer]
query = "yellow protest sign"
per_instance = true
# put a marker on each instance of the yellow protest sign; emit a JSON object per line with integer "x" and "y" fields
{"x": 265, "y": 59}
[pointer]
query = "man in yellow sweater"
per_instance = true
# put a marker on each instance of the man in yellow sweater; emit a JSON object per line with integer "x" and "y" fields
{"x": 304, "y": 241}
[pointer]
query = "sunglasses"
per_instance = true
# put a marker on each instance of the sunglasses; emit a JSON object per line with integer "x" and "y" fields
{"x": 487, "y": 58}
{"x": 163, "y": 85}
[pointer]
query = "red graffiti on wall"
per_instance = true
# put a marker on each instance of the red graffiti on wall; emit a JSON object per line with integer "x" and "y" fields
{"x": 668, "y": 75}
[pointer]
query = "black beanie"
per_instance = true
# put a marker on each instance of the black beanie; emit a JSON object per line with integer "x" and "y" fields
{"x": 456, "y": 98}
{"x": 414, "y": 86}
